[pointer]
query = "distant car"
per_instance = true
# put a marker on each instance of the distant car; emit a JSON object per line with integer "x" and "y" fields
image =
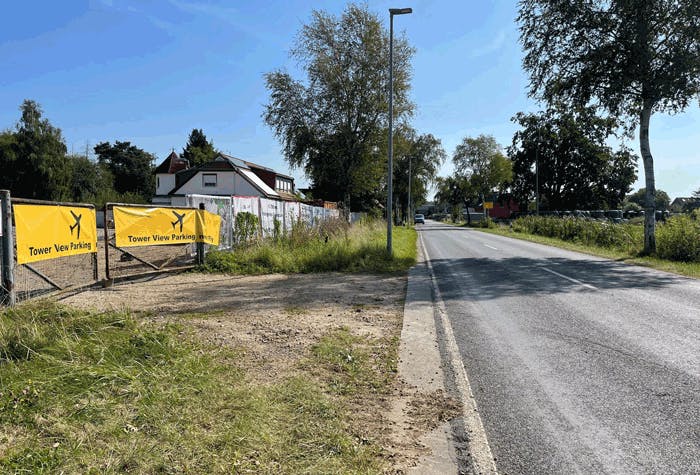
{"x": 419, "y": 219}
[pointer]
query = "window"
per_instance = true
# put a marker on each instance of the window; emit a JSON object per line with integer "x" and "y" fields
{"x": 209, "y": 179}
{"x": 157, "y": 182}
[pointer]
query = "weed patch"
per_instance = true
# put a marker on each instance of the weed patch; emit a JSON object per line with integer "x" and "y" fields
{"x": 89, "y": 392}
{"x": 332, "y": 248}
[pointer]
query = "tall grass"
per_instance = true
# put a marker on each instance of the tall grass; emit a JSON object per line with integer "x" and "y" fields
{"x": 677, "y": 239}
{"x": 333, "y": 246}
{"x": 105, "y": 393}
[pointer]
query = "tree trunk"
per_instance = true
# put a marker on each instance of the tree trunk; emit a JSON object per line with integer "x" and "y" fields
{"x": 650, "y": 201}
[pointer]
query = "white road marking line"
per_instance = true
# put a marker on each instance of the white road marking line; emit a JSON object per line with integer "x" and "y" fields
{"x": 588, "y": 286}
{"x": 491, "y": 247}
{"x": 479, "y": 447}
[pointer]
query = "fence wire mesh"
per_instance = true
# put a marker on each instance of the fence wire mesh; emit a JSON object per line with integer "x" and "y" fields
{"x": 133, "y": 261}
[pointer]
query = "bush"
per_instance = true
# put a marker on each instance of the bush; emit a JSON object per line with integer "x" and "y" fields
{"x": 245, "y": 228}
{"x": 679, "y": 239}
{"x": 332, "y": 246}
{"x": 595, "y": 233}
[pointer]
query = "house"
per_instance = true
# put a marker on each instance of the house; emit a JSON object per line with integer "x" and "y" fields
{"x": 224, "y": 176}
{"x": 680, "y": 205}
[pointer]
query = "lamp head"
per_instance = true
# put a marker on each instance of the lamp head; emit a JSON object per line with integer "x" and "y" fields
{"x": 400, "y": 11}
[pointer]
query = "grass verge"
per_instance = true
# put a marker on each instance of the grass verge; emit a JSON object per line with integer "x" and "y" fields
{"x": 85, "y": 392}
{"x": 360, "y": 248}
{"x": 689, "y": 269}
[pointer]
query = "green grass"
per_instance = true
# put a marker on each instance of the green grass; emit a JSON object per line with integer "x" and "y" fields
{"x": 689, "y": 269}
{"x": 352, "y": 364}
{"x": 88, "y": 392}
{"x": 360, "y": 248}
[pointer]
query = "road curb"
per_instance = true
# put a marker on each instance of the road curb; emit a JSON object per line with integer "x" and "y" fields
{"x": 421, "y": 357}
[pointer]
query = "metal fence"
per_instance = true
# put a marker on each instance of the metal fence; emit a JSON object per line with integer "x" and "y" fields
{"x": 43, "y": 277}
{"x": 128, "y": 262}
{"x": 111, "y": 262}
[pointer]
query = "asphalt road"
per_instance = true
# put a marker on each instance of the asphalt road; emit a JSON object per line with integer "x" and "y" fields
{"x": 578, "y": 364}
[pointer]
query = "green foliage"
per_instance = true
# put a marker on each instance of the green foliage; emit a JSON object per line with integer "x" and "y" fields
{"x": 456, "y": 213}
{"x": 418, "y": 157}
{"x": 331, "y": 247}
{"x": 486, "y": 223}
{"x": 452, "y": 191}
{"x": 353, "y": 363}
{"x": 131, "y": 167}
{"x": 592, "y": 233}
{"x": 577, "y": 169}
{"x": 277, "y": 229}
{"x": 198, "y": 149}
{"x": 662, "y": 200}
{"x": 333, "y": 123}
{"x": 679, "y": 239}
{"x": 627, "y": 58}
{"x": 33, "y": 158}
{"x": 482, "y": 164}
{"x": 245, "y": 228}
{"x": 105, "y": 393}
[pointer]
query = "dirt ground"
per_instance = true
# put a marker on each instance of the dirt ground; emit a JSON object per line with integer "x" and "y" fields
{"x": 275, "y": 319}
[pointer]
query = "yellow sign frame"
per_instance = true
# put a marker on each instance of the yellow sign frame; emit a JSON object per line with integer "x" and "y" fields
{"x": 151, "y": 226}
{"x": 51, "y": 231}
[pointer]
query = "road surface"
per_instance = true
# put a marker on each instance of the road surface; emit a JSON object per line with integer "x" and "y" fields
{"x": 578, "y": 364}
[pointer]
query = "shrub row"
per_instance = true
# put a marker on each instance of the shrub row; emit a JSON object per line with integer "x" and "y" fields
{"x": 678, "y": 239}
{"x": 593, "y": 233}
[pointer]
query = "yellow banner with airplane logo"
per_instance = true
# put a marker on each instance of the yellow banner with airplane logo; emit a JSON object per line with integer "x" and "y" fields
{"x": 49, "y": 231}
{"x": 135, "y": 226}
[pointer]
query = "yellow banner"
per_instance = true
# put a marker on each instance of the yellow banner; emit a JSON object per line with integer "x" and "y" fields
{"x": 488, "y": 205}
{"x": 159, "y": 226}
{"x": 47, "y": 231}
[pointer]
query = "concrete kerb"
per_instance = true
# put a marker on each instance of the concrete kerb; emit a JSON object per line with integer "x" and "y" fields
{"x": 426, "y": 342}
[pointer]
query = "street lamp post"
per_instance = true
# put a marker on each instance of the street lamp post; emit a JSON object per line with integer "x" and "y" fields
{"x": 537, "y": 173}
{"x": 410, "y": 216}
{"x": 389, "y": 212}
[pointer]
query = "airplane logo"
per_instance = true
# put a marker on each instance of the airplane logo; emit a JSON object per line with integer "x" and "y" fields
{"x": 77, "y": 218}
{"x": 178, "y": 219}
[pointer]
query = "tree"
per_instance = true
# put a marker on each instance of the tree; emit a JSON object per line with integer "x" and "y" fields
{"x": 481, "y": 161}
{"x": 130, "y": 166}
{"x": 630, "y": 58}
{"x": 85, "y": 178}
{"x": 451, "y": 191}
{"x": 693, "y": 203}
{"x": 662, "y": 201}
{"x": 577, "y": 169}
{"x": 333, "y": 123}
{"x": 33, "y": 157}
{"x": 420, "y": 156}
{"x": 198, "y": 149}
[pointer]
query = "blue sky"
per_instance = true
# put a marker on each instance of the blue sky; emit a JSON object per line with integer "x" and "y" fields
{"x": 149, "y": 72}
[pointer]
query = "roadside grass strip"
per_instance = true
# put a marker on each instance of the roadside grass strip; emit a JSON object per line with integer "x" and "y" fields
{"x": 359, "y": 248}
{"x": 84, "y": 392}
{"x": 631, "y": 256}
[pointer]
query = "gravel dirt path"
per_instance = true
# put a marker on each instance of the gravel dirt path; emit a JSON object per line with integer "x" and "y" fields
{"x": 275, "y": 319}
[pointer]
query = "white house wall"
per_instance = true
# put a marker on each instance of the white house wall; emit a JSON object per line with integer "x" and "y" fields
{"x": 165, "y": 182}
{"x": 243, "y": 187}
{"x": 226, "y": 185}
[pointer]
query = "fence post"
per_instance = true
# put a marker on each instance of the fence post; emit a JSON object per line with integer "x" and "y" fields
{"x": 200, "y": 245}
{"x": 108, "y": 281}
{"x": 260, "y": 225}
{"x": 8, "y": 250}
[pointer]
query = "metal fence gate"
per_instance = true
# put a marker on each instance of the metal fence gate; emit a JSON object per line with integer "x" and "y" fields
{"x": 130, "y": 262}
{"x": 43, "y": 277}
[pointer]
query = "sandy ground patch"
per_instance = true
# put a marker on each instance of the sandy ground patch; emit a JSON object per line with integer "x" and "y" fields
{"x": 275, "y": 319}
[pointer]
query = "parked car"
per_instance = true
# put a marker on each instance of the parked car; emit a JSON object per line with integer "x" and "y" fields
{"x": 419, "y": 219}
